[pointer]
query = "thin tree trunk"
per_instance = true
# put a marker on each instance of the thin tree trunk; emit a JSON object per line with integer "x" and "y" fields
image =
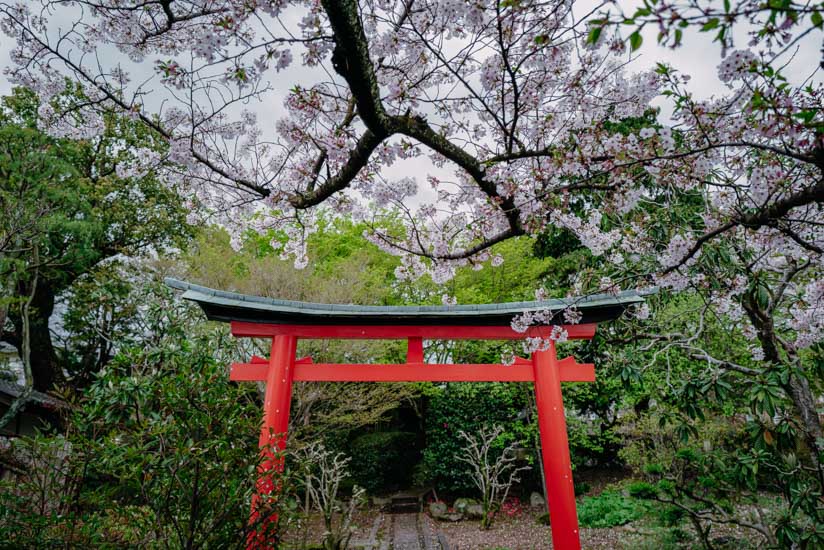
{"x": 533, "y": 410}
{"x": 35, "y": 348}
{"x": 25, "y": 330}
{"x": 703, "y": 534}
{"x": 799, "y": 391}
{"x": 24, "y": 350}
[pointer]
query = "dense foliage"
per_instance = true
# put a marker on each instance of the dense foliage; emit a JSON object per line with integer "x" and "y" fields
{"x": 67, "y": 206}
{"x": 161, "y": 450}
{"x": 383, "y": 460}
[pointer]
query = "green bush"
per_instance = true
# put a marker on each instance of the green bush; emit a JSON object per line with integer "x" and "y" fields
{"x": 467, "y": 407}
{"x": 162, "y": 450}
{"x": 382, "y": 461}
{"x": 609, "y": 509}
{"x": 643, "y": 490}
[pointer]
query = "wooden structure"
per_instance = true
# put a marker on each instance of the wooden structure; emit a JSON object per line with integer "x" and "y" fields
{"x": 285, "y": 322}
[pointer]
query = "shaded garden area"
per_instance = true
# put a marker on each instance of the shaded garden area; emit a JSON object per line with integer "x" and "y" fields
{"x": 161, "y": 446}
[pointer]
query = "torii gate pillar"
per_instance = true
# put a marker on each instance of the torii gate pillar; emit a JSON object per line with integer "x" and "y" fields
{"x": 277, "y": 402}
{"x": 560, "y": 489}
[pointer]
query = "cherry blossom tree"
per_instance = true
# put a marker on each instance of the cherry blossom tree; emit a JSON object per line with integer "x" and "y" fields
{"x": 507, "y": 94}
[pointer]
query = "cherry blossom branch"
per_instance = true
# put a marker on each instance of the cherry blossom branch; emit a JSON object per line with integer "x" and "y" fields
{"x": 114, "y": 98}
{"x": 351, "y": 60}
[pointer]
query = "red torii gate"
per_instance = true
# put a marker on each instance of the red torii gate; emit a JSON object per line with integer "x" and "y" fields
{"x": 284, "y": 322}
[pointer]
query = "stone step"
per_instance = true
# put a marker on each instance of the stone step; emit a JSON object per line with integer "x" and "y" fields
{"x": 405, "y": 503}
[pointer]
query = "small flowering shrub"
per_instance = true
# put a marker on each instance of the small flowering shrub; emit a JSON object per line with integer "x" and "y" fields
{"x": 493, "y": 470}
{"x": 513, "y": 507}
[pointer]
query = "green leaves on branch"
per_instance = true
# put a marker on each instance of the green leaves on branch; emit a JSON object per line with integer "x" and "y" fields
{"x": 594, "y": 34}
{"x": 635, "y": 40}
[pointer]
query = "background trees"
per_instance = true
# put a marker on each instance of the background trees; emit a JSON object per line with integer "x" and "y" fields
{"x": 69, "y": 206}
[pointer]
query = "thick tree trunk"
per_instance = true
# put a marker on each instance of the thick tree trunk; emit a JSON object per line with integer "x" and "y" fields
{"x": 45, "y": 368}
{"x": 797, "y": 388}
{"x": 804, "y": 401}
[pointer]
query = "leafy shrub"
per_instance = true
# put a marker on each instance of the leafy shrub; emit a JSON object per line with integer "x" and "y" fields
{"x": 642, "y": 489}
{"x": 609, "y": 509}
{"x": 382, "y": 461}
{"x": 161, "y": 450}
{"x": 467, "y": 407}
{"x": 710, "y": 470}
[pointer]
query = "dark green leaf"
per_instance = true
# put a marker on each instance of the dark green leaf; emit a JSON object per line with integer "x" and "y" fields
{"x": 635, "y": 40}
{"x": 710, "y": 24}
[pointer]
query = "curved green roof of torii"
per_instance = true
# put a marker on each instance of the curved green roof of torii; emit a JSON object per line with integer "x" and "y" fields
{"x": 220, "y": 305}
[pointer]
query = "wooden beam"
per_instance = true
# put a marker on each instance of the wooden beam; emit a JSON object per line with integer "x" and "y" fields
{"x": 414, "y": 372}
{"x": 414, "y": 350}
{"x": 256, "y": 370}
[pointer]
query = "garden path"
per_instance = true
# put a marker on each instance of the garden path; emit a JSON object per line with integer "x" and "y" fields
{"x": 405, "y": 532}
{"x": 413, "y": 532}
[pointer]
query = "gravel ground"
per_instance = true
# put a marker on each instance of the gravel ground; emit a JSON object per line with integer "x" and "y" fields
{"x": 516, "y": 533}
{"x": 363, "y": 522}
{"x": 522, "y": 533}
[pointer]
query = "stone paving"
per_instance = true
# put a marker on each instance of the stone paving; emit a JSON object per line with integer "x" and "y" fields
{"x": 401, "y": 532}
{"x": 405, "y": 532}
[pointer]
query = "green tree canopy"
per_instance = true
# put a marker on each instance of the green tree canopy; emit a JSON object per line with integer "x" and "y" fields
{"x": 68, "y": 205}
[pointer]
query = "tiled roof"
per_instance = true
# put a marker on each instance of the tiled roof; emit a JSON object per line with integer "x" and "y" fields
{"x": 220, "y": 305}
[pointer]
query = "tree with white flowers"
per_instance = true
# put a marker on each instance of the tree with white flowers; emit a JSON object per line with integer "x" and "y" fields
{"x": 323, "y": 471}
